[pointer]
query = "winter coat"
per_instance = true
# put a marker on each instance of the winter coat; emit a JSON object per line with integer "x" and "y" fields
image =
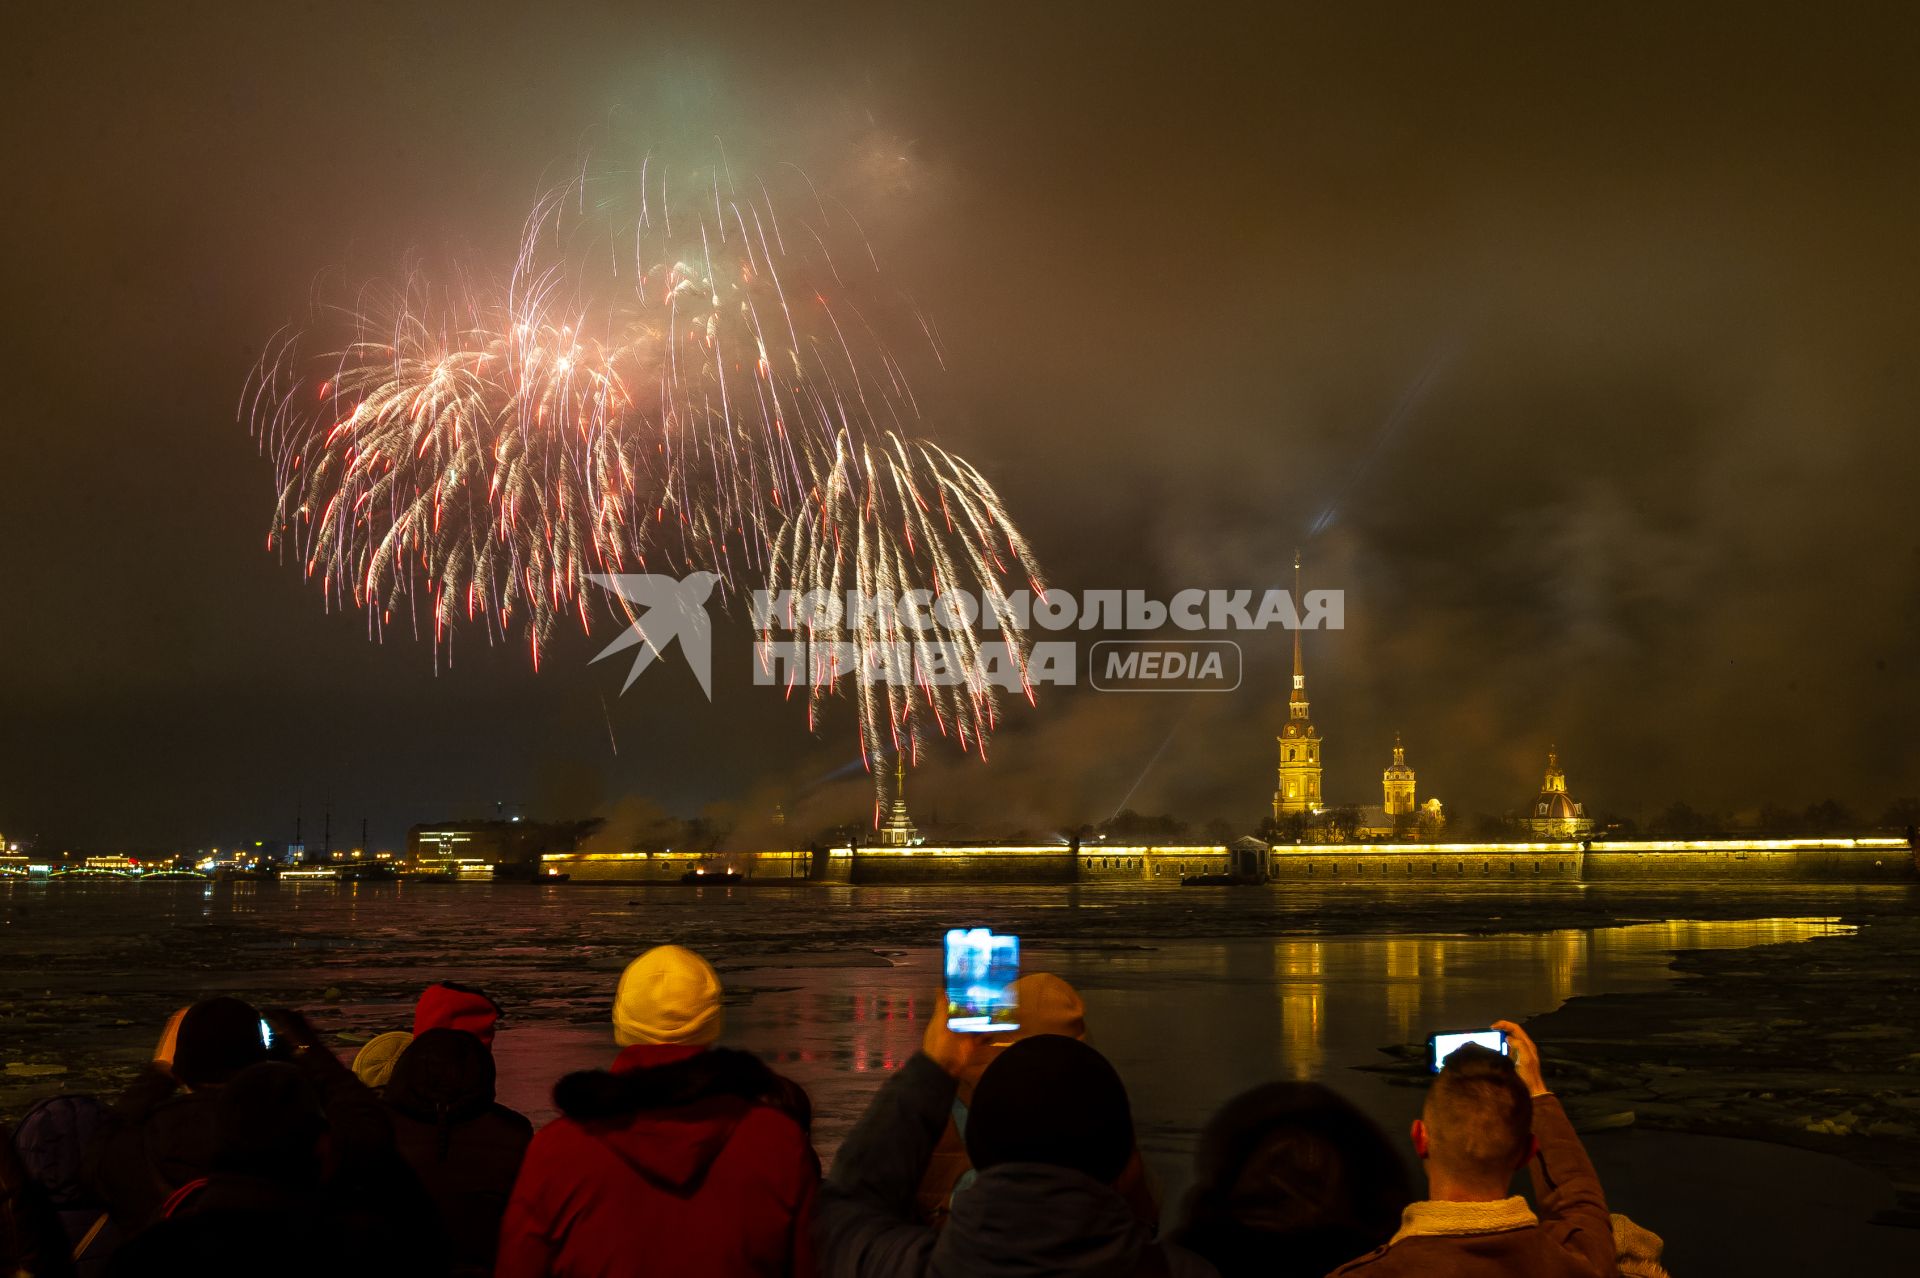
{"x": 681, "y": 1160}
{"x": 32, "y": 1243}
{"x": 1014, "y": 1219}
{"x": 158, "y": 1137}
{"x": 161, "y": 1136}
{"x": 1571, "y": 1237}
{"x": 370, "y": 1218}
{"x": 950, "y": 1170}
{"x": 235, "y": 1226}
{"x": 52, "y": 1142}
{"x": 465, "y": 1149}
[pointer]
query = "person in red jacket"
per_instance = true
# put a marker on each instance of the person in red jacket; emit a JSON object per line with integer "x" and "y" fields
{"x": 684, "y": 1158}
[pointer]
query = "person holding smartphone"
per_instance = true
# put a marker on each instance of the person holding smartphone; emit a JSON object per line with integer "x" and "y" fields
{"x": 1485, "y": 1117}
{"x": 1049, "y": 1132}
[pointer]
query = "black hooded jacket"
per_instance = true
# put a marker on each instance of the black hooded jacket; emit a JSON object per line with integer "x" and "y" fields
{"x": 464, "y": 1147}
{"x": 1017, "y": 1220}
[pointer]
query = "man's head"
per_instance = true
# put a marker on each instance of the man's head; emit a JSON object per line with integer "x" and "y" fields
{"x": 1477, "y": 1127}
{"x": 1048, "y": 1005}
{"x": 1053, "y": 1100}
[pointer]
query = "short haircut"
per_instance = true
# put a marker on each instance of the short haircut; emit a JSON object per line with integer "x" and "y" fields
{"x": 1479, "y": 1116}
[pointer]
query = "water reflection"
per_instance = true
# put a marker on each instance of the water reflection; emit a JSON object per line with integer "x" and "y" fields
{"x": 1191, "y": 1023}
{"x": 834, "y": 985}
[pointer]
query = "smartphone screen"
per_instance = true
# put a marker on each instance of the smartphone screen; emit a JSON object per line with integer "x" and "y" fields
{"x": 266, "y": 1034}
{"x": 981, "y": 968}
{"x": 1441, "y": 1046}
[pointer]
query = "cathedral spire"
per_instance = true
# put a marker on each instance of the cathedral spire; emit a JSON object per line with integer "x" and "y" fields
{"x": 1298, "y": 789}
{"x": 1298, "y": 707}
{"x": 898, "y": 831}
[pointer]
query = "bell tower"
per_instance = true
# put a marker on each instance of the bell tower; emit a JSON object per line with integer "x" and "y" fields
{"x": 1397, "y": 781}
{"x": 1298, "y": 791}
{"x": 898, "y": 832}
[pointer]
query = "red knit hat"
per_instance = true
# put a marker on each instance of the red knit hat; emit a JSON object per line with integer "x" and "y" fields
{"x": 448, "y": 1005}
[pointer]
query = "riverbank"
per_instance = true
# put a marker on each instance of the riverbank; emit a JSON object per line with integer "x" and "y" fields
{"x": 1811, "y": 1043}
{"x": 1814, "y": 1044}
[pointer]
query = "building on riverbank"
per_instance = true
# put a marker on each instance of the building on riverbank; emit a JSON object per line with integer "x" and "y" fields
{"x": 1556, "y": 814}
{"x": 1297, "y": 795}
{"x": 480, "y": 849}
{"x": 1300, "y": 808}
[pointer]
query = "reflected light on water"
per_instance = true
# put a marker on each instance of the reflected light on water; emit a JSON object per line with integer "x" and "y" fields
{"x": 1191, "y": 1023}
{"x": 833, "y": 986}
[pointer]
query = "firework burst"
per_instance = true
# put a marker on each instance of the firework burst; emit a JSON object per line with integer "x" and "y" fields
{"x": 676, "y": 373}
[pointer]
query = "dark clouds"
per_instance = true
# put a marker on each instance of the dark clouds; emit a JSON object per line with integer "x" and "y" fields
{"x": 1654, "y": 506}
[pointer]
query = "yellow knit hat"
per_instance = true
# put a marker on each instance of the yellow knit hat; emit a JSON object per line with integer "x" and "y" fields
{"x": 373, "y": 1064}
{"x": 667, "y": 995}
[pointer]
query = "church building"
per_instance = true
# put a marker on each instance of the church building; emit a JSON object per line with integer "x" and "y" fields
{"x": 1298, "y": 794}
{"x": 898, "y": 830}
{"x": 1555, "y": 815}
{"x": 1400, "y": 815}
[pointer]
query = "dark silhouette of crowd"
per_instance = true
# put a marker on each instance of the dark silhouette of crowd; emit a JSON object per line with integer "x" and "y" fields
{"x": 248, "y": 1147}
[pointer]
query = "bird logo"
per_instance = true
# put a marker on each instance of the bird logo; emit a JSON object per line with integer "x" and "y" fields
{"x": 663, "y": 609}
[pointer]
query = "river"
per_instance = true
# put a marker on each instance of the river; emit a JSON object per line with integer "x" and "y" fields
{"x": 1195, "y": 994}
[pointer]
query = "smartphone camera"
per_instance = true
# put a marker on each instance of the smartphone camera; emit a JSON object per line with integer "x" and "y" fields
{"x": 1441, "y": 1046}
{"x": 981, "y": 969}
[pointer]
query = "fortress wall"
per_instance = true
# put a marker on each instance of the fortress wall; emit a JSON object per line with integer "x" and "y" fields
{"x": 1334, "y": 863}
{"x": 1046, "y": 863}
{"x": 1160, "y": 865}
{"x": 1729, "y": 864}
{"x": 1726, "y": 861}
{"x": 1858, "y": 865}
{"x": 668, "y": 867}
{"x": 1734, "y": 864}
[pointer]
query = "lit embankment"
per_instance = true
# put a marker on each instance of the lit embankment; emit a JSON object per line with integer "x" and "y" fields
{"x": 1855, "y": 860}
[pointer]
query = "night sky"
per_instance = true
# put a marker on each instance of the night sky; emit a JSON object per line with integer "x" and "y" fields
{"x": 1589, "y": 338}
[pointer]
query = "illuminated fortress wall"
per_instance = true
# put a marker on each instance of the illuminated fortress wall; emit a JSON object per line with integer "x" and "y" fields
{"x": 1357, "y": 863}
{"x": 1002, "y": 863}
{"x": 1698, "y": 860}
{"x": 787, "y": 865}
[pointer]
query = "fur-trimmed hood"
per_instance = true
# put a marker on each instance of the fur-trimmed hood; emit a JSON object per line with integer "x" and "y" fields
{"x": 670, "y": 1121}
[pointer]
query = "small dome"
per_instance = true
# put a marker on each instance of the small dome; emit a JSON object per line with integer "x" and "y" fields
{"x": 1556, "y": 807}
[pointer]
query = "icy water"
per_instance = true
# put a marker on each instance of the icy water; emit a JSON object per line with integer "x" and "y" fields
{"x": 1195, "y": 994}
